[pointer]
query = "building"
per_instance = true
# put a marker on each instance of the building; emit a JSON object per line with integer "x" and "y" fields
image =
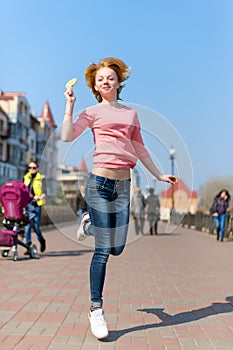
{"x": 24, "y": 137}
{"x": 32, "y": 139}
{"x": 185, "y": 200}
{"x": 70, "y": 178}
{"x": 7, "y": 170}
{"x": 17, "y": 109}
{"x": 47, "y": 148}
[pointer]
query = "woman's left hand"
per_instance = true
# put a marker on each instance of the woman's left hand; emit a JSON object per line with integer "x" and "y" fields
{"x": 169, "y": 178}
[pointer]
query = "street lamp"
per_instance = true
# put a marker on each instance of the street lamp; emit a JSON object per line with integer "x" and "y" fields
{"x": 172, "y": 153}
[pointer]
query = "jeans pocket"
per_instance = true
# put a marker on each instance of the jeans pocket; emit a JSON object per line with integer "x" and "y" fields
{"x": 95, "y": 186}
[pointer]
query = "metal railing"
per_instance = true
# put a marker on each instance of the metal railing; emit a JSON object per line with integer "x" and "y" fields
{"x": 205, "y": 223}
{"x": 58, "y": 213}
{"x": 199, "y": 221}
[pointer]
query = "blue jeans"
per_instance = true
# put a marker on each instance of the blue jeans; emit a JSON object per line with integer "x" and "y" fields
{"x": 220, "y": 224}
{"x": 35, "y": 223}
{"x": 108, "y": 203}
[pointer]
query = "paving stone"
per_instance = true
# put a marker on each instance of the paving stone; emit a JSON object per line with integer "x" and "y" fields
{"x": 170, "y": 292}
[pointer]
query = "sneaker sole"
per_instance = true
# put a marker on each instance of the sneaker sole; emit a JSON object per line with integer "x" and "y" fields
{"x": 82, "y": 236}
{"x": 102, "y": 337}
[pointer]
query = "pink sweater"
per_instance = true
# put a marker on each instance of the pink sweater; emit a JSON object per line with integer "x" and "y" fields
{"x": 117, "y": 136}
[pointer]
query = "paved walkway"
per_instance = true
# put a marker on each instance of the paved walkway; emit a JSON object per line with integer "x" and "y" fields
{"x": 171, "y": 291}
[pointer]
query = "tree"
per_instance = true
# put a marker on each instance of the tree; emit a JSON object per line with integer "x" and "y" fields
{"x": 208, "y": 191}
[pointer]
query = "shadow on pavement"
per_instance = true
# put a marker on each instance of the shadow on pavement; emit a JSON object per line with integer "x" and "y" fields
{"x": 161, "y": 234}
{"x": 56, "y": 254}
{"x": 52, "y": 254}
{"x": 180, "y": 318}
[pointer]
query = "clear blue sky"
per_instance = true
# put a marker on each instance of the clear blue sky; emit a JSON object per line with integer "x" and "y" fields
{"x": 180, "y": 51}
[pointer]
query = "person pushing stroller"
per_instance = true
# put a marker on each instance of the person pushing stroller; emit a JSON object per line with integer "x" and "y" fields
{"x": 35, "y": 181}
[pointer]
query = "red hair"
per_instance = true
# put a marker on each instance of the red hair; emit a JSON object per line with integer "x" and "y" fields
{"x": 121, "y": 69}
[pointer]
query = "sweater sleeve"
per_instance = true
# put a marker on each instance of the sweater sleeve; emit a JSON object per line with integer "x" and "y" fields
{"x": 83, "y": 121}
{"x": 137, "y": 141}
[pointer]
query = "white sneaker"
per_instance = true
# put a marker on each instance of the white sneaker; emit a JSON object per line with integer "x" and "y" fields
{"x": 81, "y": 232}
{"x": 98, "y": 324}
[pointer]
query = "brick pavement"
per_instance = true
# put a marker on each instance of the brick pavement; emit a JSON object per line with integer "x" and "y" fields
{"x": 171, "y": 291}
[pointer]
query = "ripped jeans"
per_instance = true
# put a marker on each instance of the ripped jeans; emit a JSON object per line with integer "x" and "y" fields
{"x": 108, "y": 203}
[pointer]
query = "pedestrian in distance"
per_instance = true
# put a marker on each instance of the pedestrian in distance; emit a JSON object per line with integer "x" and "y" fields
{"x": 81, "y": 204}
{"x": 137, "y": 209}
{"x": 118, "y": 145}
{"x": 153, "y": 211}
{"x": 35, "y": 181}
{"x": 219, "y": 209}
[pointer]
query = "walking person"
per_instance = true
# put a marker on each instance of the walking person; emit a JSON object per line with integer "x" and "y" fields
{"x": 219, "y": 209}
{"x": 81, "y": 204}
{"x": 118, "y": 145}
{"x": 137, "y": 208}
{"x": 35, "y": 181}
{"x": 153, "y": 211}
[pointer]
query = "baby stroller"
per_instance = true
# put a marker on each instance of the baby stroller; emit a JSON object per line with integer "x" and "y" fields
{"x": 15, "y": 198}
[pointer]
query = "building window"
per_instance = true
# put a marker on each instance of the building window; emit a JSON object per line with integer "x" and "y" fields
{"x": 21, "y": 158}
{"x": 22, "y": 110}
{"x": 1, "y": 170}
{"x": 1, "y": 126}
{"x": 13, "y": 155}
{"x": 1, "y": 151}
{"x": 13, "y": 131}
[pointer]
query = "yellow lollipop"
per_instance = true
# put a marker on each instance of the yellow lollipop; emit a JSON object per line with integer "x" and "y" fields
{"x": 71, "y": 82}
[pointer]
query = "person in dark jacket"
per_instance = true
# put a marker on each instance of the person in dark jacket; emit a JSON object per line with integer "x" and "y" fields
{"x": 221, "y": 203}
{"x": 81, "y": 205}
{"x": 153, "y": 211}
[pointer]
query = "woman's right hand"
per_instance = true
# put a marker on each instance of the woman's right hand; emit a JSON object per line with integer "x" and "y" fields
{"x": 69, "y": 95}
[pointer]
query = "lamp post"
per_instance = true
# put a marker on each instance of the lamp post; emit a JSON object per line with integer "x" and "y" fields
{"x": 172, "y": 153}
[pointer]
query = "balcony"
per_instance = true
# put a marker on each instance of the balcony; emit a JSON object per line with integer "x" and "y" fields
{"x": 4, "y": 134}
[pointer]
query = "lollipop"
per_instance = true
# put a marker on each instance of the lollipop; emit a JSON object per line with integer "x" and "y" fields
{"x": 71, "y": 82}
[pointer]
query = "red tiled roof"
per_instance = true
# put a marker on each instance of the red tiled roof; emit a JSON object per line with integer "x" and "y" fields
{"x": 47, "y": 114}
{"x": 180, "y": 185}
{"x": 10, "y": 95}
